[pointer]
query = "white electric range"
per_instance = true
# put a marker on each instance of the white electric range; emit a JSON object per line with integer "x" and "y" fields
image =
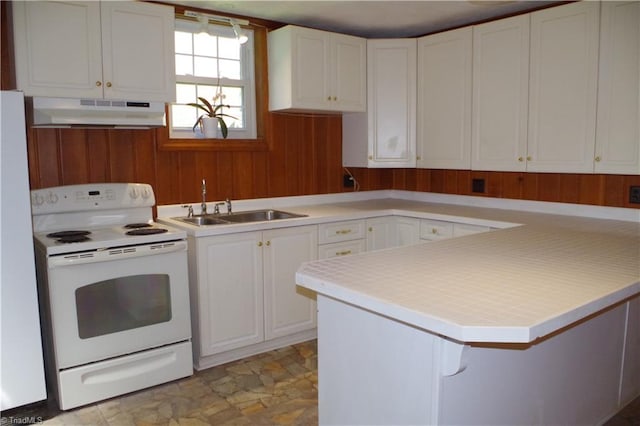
{"x": 114, "y": 292}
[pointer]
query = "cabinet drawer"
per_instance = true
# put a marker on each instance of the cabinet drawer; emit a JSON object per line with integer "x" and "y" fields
{"x": 340, "y": 231}
{"x": 435, "y": 229}
{"x": 345, "y": 248}
{"x": 461, "y": 229}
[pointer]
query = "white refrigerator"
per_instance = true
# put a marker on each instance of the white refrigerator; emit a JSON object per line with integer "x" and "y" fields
{"x": 21, "y": 362}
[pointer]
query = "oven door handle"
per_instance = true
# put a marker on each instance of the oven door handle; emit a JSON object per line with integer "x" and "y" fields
{"x": 116, "y": 253}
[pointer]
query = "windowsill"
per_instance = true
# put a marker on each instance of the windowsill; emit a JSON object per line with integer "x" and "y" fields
{"x": 213, "y": 145}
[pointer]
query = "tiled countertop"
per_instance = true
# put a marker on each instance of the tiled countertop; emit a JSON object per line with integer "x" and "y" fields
{"x": 510, "y": 285}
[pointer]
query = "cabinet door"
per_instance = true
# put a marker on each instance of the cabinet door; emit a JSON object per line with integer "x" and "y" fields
{"x": 58, "y": 48}
{"x": 310, "y": 64}
{"x": 618, "y": 127}
{"x": 381, "y": 233}
{"x": 500, "y": 94}
{"x": 349, "y": 76}
{"x": 444, "y": 100}
{"x": 288, "y": 308}
{"x": 230, "y": 292}
{"x": 138, "y": 51}
{"x": 407, "y": 231}
{"x": 391, "y": 103}
{"x": 563, "y": 84}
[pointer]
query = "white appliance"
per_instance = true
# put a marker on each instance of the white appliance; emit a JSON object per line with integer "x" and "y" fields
{"x": 22, "y": 368}
{"x": 71, "y": 112}
{"x": 115, "y": 289}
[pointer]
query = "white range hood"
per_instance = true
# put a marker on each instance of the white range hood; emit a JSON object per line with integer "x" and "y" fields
{"x": 69, "y": 112}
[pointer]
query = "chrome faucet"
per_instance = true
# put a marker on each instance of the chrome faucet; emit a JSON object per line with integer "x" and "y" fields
{"x": 189, "y": 211}
{"x": 216, "y": 206}
{"x": 203, "y": 205}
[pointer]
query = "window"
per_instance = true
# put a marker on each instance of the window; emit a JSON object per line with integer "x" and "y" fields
{"x": 215, "y": 66}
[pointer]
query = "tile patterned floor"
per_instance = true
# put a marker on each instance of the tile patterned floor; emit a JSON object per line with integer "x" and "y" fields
{"x": 274, "y": 388}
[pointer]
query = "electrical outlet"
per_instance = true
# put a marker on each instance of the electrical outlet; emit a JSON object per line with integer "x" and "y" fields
{"x": 347, "y": 181}
{"x": 634, "y": 194}
{"x": 477, "y": 185}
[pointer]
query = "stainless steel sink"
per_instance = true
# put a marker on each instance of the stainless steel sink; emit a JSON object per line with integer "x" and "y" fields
{"x": 202, "y": 220}
{"x": 259, "y": 216}
{"x": 239, "y": 217}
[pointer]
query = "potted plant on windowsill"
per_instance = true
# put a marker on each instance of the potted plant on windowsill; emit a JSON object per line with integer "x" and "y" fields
{"x": 212, "y": 119}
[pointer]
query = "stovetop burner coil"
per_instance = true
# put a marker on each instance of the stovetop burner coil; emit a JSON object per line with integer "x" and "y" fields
{"x": 146, "y": 231}
{"x": 137, "y": 225}
{"x": 68, "y": 234}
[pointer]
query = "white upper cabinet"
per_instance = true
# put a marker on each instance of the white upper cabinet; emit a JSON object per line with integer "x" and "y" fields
{"x": 618, "y": 126}
{"x": 444, "y": 100}
{"x": 500, "y": 94}
{"x": 316, "y": 70}
{"x": 385, "y": 136}
{"x": 111, "y": 50}
{"x": 563, "y": 86}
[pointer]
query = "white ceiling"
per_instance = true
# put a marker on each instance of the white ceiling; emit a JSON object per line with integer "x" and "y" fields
{"x": 371, "y": 19}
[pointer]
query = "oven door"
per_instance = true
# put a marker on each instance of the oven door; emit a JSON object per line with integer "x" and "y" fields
{"x": 117, "y": 301}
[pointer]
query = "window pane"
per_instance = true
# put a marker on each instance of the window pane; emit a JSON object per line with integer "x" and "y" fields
{"x": 207, "y": 92}
{"x": 229, "y": 48}
{"x": 183, "y": 42}
{"x": 184, "y": 65}
{"x": 237, "y": 120}
{"x": 185, "y": 93}
{"x": 230, "y": 69}
{"x": 205, "y": 67}
{"x": 232, "y": 96}
{"x": 183, "y": 116}
{"x": 204, "y": 45}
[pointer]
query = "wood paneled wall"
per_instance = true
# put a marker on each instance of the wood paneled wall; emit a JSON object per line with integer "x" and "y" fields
{"x": 595, "y": 189}
{"x": 303, "y": 156}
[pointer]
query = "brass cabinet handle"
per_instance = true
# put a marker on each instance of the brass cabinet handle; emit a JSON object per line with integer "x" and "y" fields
{"x": 434, "y": 230}
{"x": 598, "y": 159}
{"x": 418, "y": 158}
{"x": 520, "y": 159}
{"x": 98, "y": 83}
{"x": 259, "y": 243}
{"x": 108, "y": 84}
{"x": 343, "y": 253}
{"x": 370, "y": 229}
{"x": 528, "y": 158}
{"x": 268, "y": 243}
{"x": 335, "y": 98}
{"x": 343, "y": 231}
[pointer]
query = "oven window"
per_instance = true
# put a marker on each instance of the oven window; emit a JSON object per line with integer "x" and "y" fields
{"x": 123, "y": 303}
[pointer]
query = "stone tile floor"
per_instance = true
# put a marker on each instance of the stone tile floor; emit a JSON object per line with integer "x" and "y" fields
{"x": 274, "y": 388}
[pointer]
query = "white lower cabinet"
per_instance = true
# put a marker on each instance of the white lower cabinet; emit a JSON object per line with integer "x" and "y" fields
{"x": 392, "y": 231}
{"x": 341, "y": 238}
{"x": 287, "y": 310}
{"x": 243, "y": 288}
{"x": 434, "y": 230}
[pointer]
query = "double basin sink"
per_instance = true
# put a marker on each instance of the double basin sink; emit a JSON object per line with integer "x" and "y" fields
{"x": 239, "y": 217}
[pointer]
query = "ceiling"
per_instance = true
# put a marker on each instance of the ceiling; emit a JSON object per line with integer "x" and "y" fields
{"x": 371, "y": 19}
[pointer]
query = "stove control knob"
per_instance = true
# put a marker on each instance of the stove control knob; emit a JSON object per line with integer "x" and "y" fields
{"x": 145, "y": 193}
{"x": 37, "y": 200}
{"x": 52, "y": 198}
{"x": 133, "y": 193}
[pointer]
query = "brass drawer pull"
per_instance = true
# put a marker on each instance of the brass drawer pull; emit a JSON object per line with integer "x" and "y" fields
{"x": 343, "y": 231}
{"x": 343, "y": 253}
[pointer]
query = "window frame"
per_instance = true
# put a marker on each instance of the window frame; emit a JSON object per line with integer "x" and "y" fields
{"x": 249, "y": 63}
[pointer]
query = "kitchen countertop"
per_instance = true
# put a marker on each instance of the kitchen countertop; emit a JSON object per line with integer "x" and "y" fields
{"x": 538, "y": 274}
